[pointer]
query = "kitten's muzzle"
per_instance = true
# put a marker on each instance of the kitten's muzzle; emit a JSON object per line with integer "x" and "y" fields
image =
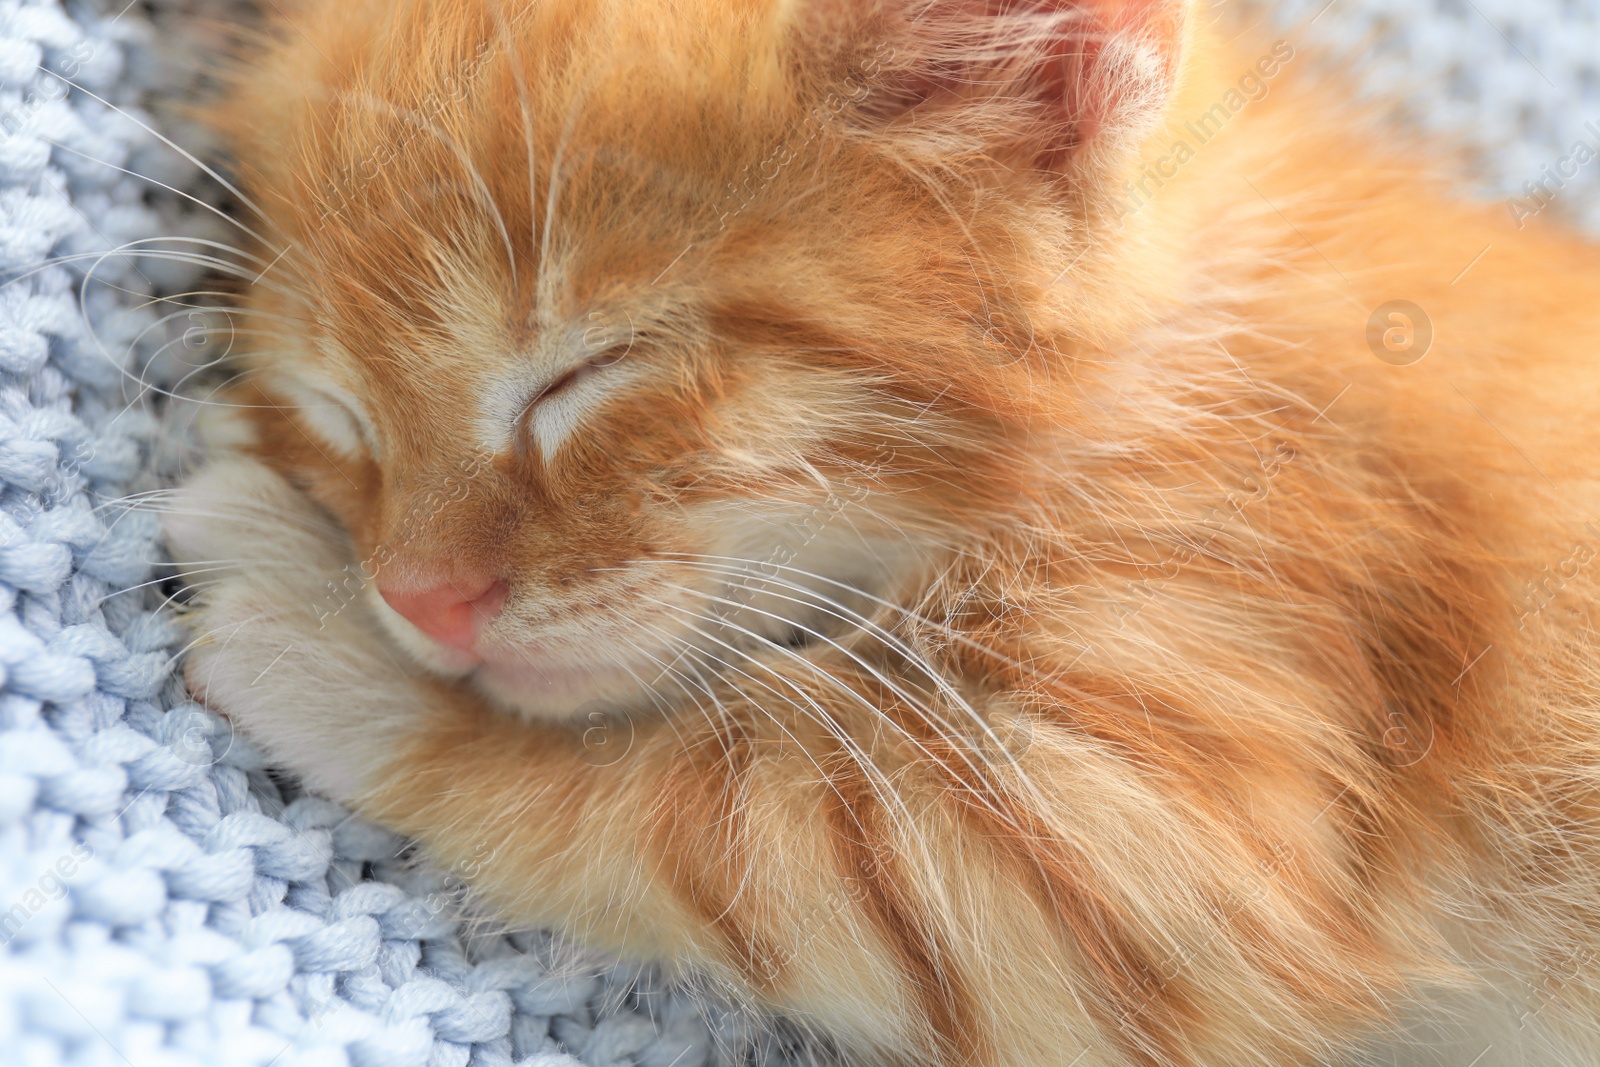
{"x": 451, "y": 612}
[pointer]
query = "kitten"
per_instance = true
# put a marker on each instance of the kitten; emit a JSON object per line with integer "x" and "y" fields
{"x": 1022, "y": 533}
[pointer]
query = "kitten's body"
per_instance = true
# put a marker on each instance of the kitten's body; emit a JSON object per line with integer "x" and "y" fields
{"x": 1183, "y": 697}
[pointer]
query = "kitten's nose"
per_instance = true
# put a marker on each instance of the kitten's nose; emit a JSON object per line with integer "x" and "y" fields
{"x": 451, "y": 612}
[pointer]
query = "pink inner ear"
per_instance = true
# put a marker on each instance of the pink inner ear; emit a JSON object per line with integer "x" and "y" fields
{"x": 1094, "y": 65}
{"x": 1125, "y": 64}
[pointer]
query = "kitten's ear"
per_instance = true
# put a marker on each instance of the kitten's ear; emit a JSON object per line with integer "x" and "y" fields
{"x": 1053, "y": 79}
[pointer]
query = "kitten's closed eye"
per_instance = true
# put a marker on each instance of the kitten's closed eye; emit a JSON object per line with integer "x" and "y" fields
{"x": 582, "y": 372}
{"x": 555, "y": 408}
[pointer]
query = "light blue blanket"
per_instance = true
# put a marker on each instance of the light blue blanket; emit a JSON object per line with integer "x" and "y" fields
{"x": 163, "y": 901}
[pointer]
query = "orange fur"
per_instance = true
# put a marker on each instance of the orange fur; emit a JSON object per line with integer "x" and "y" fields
{"x": 1183, "y": 704}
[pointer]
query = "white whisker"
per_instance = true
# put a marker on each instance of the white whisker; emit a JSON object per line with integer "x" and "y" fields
{"x": 158, "y": 135}
{"x": 223, "y": 215}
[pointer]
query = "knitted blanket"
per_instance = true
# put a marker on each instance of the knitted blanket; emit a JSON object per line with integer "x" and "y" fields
{"x": 164, "y": 898}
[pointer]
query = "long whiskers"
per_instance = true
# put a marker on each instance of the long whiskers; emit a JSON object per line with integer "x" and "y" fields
{"x": 137, "y": 249}
{"x": 690, "y": 686}
{"x": 812, "y": 599}
{"x": 807, "y": 705}
{"x": 850, "y": 692}
{"x": 218, "y": 212}
{"x": 746, "y": 565}
{"x": 185, "y": 153}
{"x": 480, "y": 188}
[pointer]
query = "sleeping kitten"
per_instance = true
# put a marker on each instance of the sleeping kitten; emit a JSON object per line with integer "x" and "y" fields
{"x": 1022, "y": 532}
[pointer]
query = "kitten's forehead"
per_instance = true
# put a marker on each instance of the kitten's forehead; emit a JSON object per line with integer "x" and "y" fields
{"x": 559, "y": 192}
{"x": 615, "y": 125}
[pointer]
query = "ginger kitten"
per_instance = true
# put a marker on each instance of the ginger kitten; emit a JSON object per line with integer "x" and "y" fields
{"x": 1023, "y": 532}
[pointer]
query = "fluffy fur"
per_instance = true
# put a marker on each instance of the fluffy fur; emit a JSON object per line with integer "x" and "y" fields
{"x": 997, "y": 626}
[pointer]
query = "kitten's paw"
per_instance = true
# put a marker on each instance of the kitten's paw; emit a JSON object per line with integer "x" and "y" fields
{"x": 306, "y": 675}
{"x": 237, "y": 514}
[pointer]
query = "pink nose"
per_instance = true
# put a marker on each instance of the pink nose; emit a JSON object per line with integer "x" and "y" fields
{"x": 451, "y": 612}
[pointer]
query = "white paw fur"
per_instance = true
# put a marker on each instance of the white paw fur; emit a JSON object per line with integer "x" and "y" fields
{"x": 301, "y": 669}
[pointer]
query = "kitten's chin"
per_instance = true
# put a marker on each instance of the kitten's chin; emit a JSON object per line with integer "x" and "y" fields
{"x": 559, "y": 693}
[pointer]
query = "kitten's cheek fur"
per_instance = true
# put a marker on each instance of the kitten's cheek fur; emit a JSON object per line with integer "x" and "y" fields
{"x": 305, "y": 676}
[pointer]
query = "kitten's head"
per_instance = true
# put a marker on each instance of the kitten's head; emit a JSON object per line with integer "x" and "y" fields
{"x": 627, "y": 337}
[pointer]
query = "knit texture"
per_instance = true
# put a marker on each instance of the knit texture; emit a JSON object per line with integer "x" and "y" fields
{"x": 1516, "y": 83}
{"x": 164, "y": 900}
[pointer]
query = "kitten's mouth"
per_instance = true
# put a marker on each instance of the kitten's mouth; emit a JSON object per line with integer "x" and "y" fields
{"x": 661, "y": 639}
{"x": 563, "y": 668}
{"x": 666, "y": 662}
{"x": 653, "y": 666}
{"x": 557, "y": 687}
{"x": 541, "y": 675}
